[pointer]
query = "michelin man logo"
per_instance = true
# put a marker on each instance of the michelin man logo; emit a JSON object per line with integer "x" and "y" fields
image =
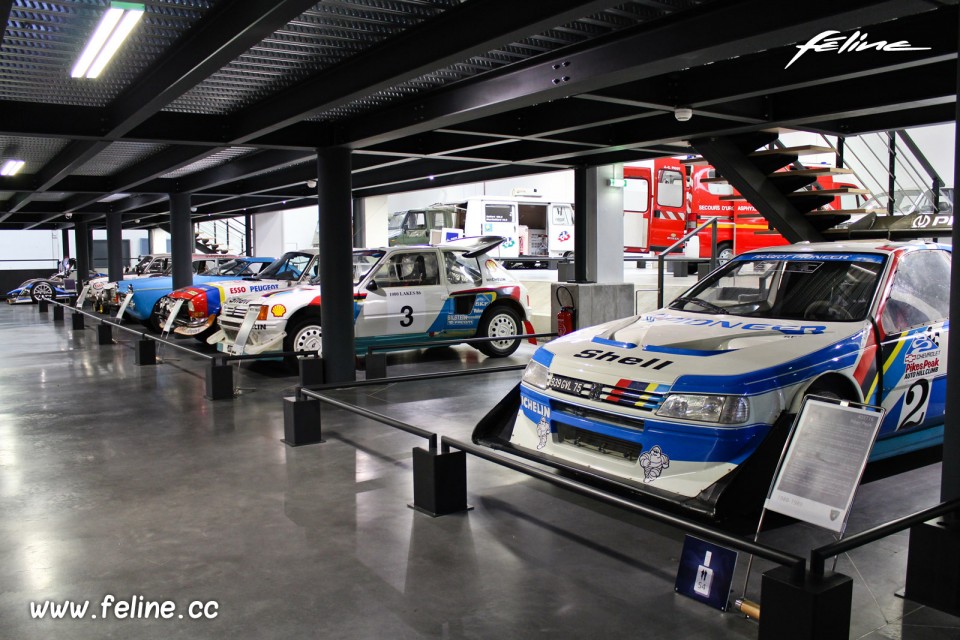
{"x": 543, "y": 430}
{"x": 653, "y": 463}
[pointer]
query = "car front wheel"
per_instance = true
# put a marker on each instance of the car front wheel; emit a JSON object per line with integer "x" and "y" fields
{"x": 498, "y": 321}
{"x": 42, "y": 290}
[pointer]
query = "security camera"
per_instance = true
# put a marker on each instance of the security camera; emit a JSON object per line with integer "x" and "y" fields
{"x": 311, "y": 184}
{"x": 68, "y": 215}
{"x": 137, "y": 221}
{"x": 683, "y": 114}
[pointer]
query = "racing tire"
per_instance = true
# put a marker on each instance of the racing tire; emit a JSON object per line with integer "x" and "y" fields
{"x": 303, "y": 335}
{"x": 153, "y": 320}
{"x": 499, "y": 320}
{"x": 42, "y": 290}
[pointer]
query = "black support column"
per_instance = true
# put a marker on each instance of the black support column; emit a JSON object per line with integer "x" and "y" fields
{"x": 114, "y": 247}
{"x": 933, "y": 560}
{"x": 181, "y": 240}
{"x": 248, "y": 233}
{"x": 359, "y": 223}
{"x": 65, "y": 242}
{"x": 580, "y": 199}
{"x": 81, "y": 236}
{"x": 336, "y": 259}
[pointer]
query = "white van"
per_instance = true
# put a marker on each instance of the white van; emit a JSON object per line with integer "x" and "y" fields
{"x": 531, "y": 225}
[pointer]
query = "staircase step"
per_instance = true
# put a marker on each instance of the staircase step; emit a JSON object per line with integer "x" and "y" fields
{"x": 836, "y": 212}
{"x": 801, "y": 150}
{"x": 839, "y": 191}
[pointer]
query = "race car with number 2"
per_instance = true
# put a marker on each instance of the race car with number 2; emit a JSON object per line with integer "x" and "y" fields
{"x": 692, "y": 403}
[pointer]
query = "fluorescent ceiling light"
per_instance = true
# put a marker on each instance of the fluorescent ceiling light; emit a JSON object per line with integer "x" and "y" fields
{"x": 114, "y": 27}
{"x": 11, "y": 167}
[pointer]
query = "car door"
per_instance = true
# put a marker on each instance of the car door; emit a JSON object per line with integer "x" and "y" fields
{"x": 407, "y": 297}
{"x": 915, "y": 325}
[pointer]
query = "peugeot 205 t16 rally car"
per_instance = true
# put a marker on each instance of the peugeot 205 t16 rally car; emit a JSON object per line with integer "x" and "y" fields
{"x": 693, "y": 402}
{"x": 401, "y": 295}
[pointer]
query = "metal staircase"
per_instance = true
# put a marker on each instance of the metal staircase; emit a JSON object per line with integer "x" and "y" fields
{"x": 785, "y": 192}
{"x": 228, "y": 235}
{"x": 793, "y": 198}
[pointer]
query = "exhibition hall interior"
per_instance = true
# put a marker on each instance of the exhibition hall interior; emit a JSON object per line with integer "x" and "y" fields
{"x": 474, "y": 318}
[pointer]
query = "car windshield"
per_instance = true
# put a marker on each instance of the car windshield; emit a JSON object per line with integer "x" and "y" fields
{"x": 832, "y": 287}
{"x": 363, "y": 261}
{"x": 142, "y": 264}
{"x": 232, "y": 268}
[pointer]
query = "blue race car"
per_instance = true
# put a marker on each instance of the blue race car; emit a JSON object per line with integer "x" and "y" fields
{"x": 148, "y": 291}
{"x": 59, "y": 286}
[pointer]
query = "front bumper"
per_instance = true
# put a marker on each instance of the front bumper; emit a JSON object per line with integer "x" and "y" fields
{"x": 266, "y": 335}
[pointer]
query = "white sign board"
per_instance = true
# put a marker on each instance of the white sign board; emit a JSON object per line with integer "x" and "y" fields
{"x": 824, "y": 461}
{"x": 123, "y": 307}
{"x": 83, "y": 295}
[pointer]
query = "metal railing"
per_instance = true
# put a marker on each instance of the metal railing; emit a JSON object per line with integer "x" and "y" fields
{"x": 661, "y": 257}
{"x": 819, "y": 556}
{"x": 455, "y": 341}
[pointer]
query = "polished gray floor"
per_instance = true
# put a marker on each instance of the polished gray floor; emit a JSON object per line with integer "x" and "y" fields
{"x": 123, "y": 480}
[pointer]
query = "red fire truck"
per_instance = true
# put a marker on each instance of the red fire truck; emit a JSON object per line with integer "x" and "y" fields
{"x": 662, "y": 203}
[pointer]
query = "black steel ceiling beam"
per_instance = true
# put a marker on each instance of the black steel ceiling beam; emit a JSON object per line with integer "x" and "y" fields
{"x": 5, "y": 6}
{"x": 916, "y": 117}
{"x": 230, "y": 29}
{"x": 718, "y": 32}
{"x": 473, "y": 28}
{"x": 71, "y": 158}
{"x": 244, "y": 167}
{"x": 734, "y": 165}
{"x": 153, "y": 167}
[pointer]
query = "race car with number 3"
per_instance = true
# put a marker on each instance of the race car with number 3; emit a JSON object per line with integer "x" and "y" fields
{"x": 401, "y": 295}
{"x": 692, "y": 403}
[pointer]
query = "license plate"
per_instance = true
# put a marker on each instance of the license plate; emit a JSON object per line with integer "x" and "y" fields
{"x": 569, "y": 385}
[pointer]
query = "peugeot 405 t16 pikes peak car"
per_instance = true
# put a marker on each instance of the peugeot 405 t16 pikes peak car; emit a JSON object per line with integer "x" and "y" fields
{"x": 692, "y": 403}
{"x": 401, "y": 295}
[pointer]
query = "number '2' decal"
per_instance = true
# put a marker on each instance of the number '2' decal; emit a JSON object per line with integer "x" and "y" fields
{"x": 915, "y": 404}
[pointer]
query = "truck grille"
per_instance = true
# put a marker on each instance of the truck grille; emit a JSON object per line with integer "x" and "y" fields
{"x": 560, "y": 409}
{"x": 626, "y": 393}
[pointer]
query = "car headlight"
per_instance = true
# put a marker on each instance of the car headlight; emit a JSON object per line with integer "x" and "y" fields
{"x": 719, "y": 409}
{"x": 536, "y": 375}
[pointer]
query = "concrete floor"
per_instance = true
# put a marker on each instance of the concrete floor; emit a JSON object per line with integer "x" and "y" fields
{"x": 123, "y": 480}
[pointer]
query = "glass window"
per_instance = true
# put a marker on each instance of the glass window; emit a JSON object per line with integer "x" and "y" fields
{"x": 920, "y": 293}
{"x": 409, "y": 270}
{"x": 562, "y": 215}
{"x": 791, "y": 287}
{"x": 363, "y": 261}
{"x": 498, "y": 213}
{"x": 461, "y": 270}
{"x": 636, "y": 195}
{"x": 670, "y": 188}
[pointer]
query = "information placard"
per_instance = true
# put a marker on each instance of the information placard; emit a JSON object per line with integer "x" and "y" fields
{"x": 821, "y": 469}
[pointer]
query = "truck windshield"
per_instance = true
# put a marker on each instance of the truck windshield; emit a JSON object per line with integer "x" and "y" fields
{"x": 830, "y": 287}
{"x": 396, "y": 220}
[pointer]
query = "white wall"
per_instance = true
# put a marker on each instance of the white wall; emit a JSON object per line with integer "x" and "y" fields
{"x": 279, "y": 231}
{"x": 30, "y": 246}
{"x": 376, "y": 211}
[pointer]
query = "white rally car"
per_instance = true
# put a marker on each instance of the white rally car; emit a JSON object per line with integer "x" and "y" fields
{"x": 401, "y": 295}
{"x": 692, "y": 402}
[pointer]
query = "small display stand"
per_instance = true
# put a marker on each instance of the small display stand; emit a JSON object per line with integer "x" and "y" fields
{"x": 820, "y": 469}
{"x": 706, "y": 572}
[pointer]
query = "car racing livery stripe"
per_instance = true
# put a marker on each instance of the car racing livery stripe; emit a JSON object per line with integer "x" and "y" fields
{"x": 544, "y": 356}
{"x": 866, "y": 370}
{"x": 451, "y": 323}
{"x": 889, "y": 362}
{"x": 645, "y": 395}
{"x": 834, "y": 357}
{"x": 684, "y": 442}
{"x": 826, "y": 257}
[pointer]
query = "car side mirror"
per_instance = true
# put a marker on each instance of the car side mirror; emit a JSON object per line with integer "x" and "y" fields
{"x": 373, "y": 286}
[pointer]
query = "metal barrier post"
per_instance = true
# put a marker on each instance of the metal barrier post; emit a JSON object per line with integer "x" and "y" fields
{"x": 146, "y": 352}
{"x": 77, "y": 319}
{"x": 376, "y": 364}
{"x": 807, "y": 608}
{"x": 311, "y": 372}
{"x": 301, "y": 421}
{"x": 43, "y": 306}
{"x": 104, "y": 333}
{"x": 58, "y": 313}
{"x": 219, "y": 381}
{"x": 933, "y": 556}
{"x": 439, "y": 481}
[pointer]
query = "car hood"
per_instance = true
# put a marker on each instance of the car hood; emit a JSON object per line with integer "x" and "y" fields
{"x": 675, "y": 348}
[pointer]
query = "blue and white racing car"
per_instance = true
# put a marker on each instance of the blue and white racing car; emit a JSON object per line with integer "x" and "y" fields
{"x": 59, "y": 286}
{"x": 691, "y": 403}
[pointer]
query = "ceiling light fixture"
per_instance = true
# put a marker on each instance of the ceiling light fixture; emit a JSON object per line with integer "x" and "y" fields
{"x": 11, "y": 167}
{"x": 114, "y": 27}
